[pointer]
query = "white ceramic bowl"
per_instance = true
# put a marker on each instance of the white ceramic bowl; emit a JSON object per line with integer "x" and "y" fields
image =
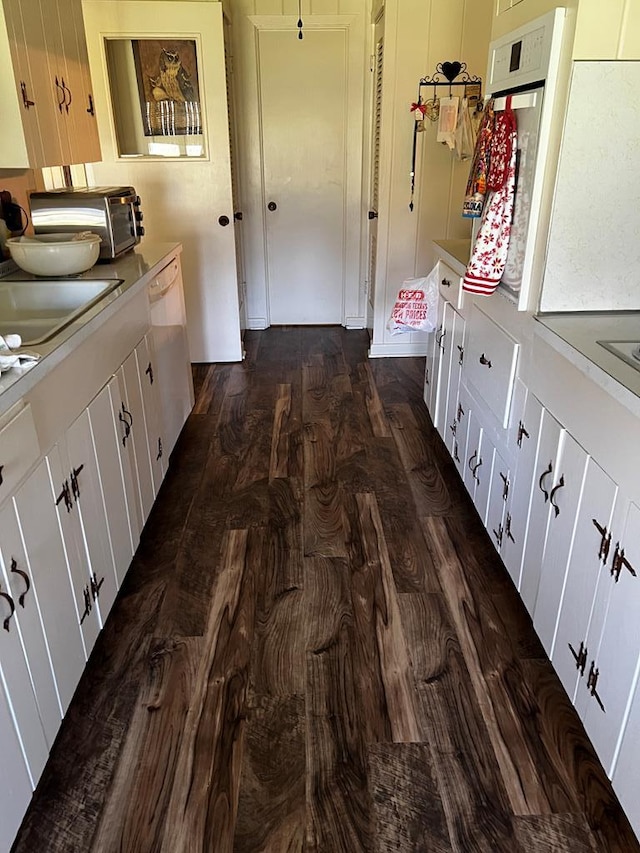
{"x": 55, "y": 254}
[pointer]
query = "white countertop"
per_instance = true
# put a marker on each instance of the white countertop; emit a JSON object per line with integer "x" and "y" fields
{"x": 135, "y": 268}
{"x": 576, "y": 336}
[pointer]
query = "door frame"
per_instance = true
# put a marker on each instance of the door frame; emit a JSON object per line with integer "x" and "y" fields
{"x": 252, "y": 167}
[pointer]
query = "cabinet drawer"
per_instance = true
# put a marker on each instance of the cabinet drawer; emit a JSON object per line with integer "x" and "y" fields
{"x": 450, "y": 284}
{"x": 490, "y": 360}
{"x": 19, "y": 449}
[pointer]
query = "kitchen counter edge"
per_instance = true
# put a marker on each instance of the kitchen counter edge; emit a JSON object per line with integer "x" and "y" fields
{"x": 136, "y": 269}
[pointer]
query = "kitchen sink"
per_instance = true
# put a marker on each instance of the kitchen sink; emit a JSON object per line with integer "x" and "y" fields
{"x": 628, "y": 351}
{"x": 38, "y": 309}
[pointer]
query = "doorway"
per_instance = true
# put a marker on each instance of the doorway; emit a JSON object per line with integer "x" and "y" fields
{"x": 303, "y": 154}
{"x": 302, "y": 124}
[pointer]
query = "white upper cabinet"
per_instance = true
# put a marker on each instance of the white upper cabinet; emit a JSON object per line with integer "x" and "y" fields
{"x": 46, "y": 86}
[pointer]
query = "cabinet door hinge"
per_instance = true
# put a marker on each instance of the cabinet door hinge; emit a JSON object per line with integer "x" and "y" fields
{"x": 522, "y": 433}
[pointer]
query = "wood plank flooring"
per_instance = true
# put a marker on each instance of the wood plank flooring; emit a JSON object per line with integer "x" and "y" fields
{"x": 316, "y": 649}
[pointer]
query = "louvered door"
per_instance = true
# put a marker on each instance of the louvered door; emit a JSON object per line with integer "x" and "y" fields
{"x": 375, "y": 165}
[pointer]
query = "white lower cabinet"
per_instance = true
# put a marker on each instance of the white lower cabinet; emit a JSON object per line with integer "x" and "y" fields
{"x": 545, "y": 479}
{"x": 625, "y": 774}
{"x": 567, "y": 502}
{"x": 137, "y": 385}
{"x": 499, "y": 495}
{"x": 613, "y": 645}
{"x": 522, "y": 441}
{"x": 479, "y": 462}
{"x": 14, "y": 674}
{"x": 432, "y": 367}
{"x": 110, "y": 425}
{"x": 590, "y": 553}
{"x": 46, "y": 558}
{"x": 16, "y": 785}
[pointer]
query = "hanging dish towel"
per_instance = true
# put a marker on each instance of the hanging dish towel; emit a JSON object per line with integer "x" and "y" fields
{"x": 464, "y": 138}
{"x": 448, "y": 120}
{"x": 477, "y": 184}
{"x": 489, "y": 254}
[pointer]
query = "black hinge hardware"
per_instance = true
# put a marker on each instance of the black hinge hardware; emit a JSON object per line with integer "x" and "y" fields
{"x": 605, "y": 541}
{"x": 65, "y": 495}
{"x": 95, "y": 586}
{"x": 149, "y": 372}
{"x": 453, "y": 426}
{"x": 455, "y": 451}
{"x": 620, "y": 562}
{"x": 498, "y": 534}
{"x": 505, "y": 487}
{"x": 580, "y": 657}
{"x": 87, "y": 604}
{"x": 1, "y": 469}
{"x": 90, "y": 108}
{"x": 461, "y": 356}
{"x": 592, "y": 682}
{"x": 25, "y": 99}
{"x": 459, "y": 413}
{"x": 75, "y": 486}
{"x": 159, "y": 456}
{"x": 426, "y": 376}
{"x": 522, "y": 433}
{"x": 507, "y": 527}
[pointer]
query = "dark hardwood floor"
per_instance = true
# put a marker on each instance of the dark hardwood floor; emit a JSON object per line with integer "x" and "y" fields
{"x": 316, "y": 648}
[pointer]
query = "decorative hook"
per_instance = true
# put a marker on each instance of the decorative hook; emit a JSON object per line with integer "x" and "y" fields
{"x": 300, "y": 24}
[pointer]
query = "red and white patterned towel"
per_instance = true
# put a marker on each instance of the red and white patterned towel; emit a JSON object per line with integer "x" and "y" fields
{"x": 489, "y": 254}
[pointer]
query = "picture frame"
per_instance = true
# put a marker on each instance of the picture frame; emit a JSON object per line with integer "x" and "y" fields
{"x": 168, "y": 86}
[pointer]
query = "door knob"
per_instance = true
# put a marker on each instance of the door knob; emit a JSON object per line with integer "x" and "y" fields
{"x": 238, "y": 215}
{"x": 272, "y": 206}
{"x": 223, "y": 220}
{"x": 373, "y": 214}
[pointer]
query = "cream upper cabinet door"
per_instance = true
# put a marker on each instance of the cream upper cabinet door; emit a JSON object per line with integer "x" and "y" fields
{"x": 187, "y": 199}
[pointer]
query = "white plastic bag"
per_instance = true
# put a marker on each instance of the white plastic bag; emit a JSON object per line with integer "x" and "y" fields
{"x": 416, "y": 306}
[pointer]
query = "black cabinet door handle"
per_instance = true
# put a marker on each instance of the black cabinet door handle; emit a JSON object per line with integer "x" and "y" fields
{"x": 373, "y": 214}
{"x": 25, "y": 578}
{"x": 91, "y": 108}
{"x": 25, "y": 98}
{"x": 1, "y": 469}
{"x": 149, "y": 372}
{"x": 12, "y": 605}
{"x": 544, "y": 474}
{"x": 223, "y": 220}
{"x": 445, "y": 282}
{"x": 484, "y": 360}
{"x": 560, "y": 485}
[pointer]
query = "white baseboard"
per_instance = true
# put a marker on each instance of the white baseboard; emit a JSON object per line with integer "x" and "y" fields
{"x": 355, "y": 323}
{"x": 401, "y": 349}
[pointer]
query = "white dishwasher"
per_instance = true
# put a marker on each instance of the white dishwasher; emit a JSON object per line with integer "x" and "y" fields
{"x": 169, "y": 331}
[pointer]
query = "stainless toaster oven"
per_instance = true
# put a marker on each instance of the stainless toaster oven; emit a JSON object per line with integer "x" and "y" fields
{"x": 112, "y": 212}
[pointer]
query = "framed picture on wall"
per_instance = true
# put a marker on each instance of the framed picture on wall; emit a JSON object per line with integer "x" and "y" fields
{"x": 167, "y": 77}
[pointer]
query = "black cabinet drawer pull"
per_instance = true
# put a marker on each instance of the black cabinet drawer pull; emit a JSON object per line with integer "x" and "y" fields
{"x": 541, "y": 480}
{"x": 445, "y": 282}
{"x": 25, "y": 578}
{"x": 474, "y": 469}
{"x": 471, "y": 458}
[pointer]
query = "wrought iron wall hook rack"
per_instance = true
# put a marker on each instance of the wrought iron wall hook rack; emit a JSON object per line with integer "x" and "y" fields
{"x": 451, "y": 74}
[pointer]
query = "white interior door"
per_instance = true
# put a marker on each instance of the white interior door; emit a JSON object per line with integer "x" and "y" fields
{"x": 303, "y": 95}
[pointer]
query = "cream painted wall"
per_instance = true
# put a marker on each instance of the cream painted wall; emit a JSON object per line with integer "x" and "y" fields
{"x": 418, "y": 35}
